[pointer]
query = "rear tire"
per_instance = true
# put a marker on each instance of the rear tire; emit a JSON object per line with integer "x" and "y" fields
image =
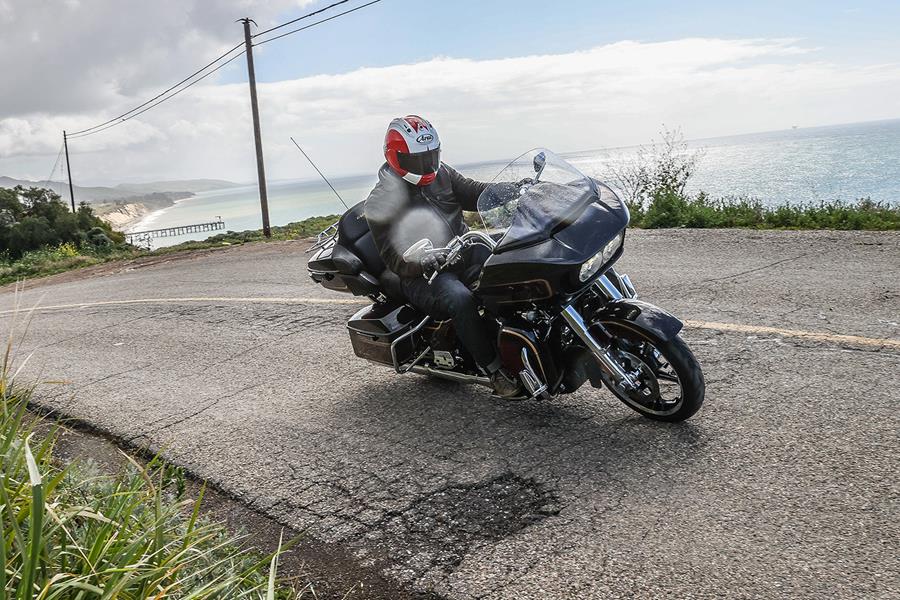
{"x": 675, "y": 356}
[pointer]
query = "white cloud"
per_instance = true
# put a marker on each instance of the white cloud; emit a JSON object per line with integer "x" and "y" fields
{"x": 74, "y": 56}
{"x": 610, "y": 95}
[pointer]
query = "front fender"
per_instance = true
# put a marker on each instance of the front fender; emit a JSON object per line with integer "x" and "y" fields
{"x": 642, "y": 315}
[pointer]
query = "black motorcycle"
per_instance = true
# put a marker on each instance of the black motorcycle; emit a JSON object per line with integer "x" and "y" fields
{"x": 561, "y": 314}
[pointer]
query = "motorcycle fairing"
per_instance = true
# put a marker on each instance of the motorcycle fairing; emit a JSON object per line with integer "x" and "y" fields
{"x": 540, "y": 271}
{"x": 543, "y": 209}
{"x": 644, "y": 315}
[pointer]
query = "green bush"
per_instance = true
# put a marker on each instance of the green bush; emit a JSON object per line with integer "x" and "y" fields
{"x": 36, "y": 217}
{"x": 669, "y": 209}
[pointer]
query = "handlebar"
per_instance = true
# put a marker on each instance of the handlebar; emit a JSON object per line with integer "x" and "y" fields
{"x": 457, "y": 245}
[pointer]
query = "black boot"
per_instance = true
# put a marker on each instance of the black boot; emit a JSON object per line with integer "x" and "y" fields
{"x": 506, "y": 386}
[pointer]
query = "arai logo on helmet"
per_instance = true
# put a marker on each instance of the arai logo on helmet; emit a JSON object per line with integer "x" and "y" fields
{"x": 425, "y": 138}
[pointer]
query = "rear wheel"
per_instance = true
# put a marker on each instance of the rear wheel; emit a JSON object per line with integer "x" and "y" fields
{"x": 671, "y": 386}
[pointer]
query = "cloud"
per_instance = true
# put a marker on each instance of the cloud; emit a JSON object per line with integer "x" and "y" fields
{"x": 615, "y": 94}
{"x": 83, "y": 54}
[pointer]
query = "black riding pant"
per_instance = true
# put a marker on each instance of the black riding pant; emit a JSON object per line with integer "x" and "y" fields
{"x": 448, "y": 297}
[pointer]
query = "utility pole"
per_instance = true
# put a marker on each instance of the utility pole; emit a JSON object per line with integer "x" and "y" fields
{"x": 69, "y": 169}
{"x": 257, "y": 136}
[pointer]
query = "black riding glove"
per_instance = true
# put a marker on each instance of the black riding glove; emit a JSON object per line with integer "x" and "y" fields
{"x": 430, "y": 263}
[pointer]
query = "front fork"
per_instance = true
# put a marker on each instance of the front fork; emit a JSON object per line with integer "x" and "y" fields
{"x": 607, "y": 361}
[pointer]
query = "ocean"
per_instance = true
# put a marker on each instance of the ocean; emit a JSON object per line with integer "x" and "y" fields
{"x": 804, "y": 165}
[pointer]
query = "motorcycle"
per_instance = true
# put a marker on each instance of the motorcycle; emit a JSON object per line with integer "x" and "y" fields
{"x": 560, "y": 313}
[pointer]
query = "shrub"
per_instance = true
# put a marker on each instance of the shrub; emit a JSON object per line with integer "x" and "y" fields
{"x": 660, "y": 171}
{"x": 36, "y": 217}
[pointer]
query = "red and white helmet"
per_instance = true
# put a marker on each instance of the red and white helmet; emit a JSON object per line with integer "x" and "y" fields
{"x": 413, "y": 149}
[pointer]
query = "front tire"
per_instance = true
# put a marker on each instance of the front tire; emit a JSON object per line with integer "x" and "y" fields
{"x": 662, "y": 366}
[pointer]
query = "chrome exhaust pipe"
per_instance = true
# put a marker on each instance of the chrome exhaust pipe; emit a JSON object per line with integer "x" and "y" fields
{"x": 451, "y": 375}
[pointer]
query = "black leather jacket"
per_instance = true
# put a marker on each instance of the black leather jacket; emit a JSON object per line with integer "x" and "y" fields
{"x": 399, "y": 213}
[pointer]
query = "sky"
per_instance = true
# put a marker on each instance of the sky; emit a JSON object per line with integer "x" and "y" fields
{"x": 496, "y": 77}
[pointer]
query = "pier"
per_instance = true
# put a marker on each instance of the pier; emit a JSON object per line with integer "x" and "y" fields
{"x": 136, "y": 236}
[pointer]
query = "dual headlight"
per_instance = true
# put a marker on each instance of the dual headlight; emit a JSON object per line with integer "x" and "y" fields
{"x": 590, "y": 267}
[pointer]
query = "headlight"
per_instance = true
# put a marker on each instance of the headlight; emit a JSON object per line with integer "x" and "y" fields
{"x": 593, "y": 264}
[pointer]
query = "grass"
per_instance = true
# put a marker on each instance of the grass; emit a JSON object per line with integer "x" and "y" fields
{"x": 66, "y": 257}
{"x": 48, "y": 261}
{"x": 292, "y": 231}
{"x": 71, "y": 532}
{"x": 667, "y": 208}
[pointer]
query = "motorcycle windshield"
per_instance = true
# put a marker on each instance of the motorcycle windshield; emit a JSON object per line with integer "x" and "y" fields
{"x": 532, "y": 197}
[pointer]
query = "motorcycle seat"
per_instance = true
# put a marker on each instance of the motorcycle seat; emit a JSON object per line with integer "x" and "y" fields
{"x": 373, "y": 276}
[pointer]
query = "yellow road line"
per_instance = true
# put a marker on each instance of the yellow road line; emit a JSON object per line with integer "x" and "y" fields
{"x": 833, "y": 338}
{"x": 855, "y": 340}
{"x": 190, "y": 300}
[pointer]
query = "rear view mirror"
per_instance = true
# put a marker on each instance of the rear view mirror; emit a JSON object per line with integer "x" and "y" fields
{"x": 540, "y": 161}
{"x": 415, "y": 252}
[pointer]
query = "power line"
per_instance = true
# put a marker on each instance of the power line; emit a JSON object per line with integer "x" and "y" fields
{"x": 164, "y": 92}
{"x": 346, "y": 12}
{"x": 121, "y": 120}
{"x": 56, "y": 164}
{"x": 177, "y": 88}
{"x": 306, "y": 16}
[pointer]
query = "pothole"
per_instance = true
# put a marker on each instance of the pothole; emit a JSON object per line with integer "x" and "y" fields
{"x": 438, "y": 528}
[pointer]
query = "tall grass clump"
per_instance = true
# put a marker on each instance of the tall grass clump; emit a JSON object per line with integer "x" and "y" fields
{"x": 56, "y": 259}
{"x": 71, "y": 532}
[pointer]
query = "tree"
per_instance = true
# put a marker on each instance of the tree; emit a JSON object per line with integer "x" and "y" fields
{"x": 36, "y": 217}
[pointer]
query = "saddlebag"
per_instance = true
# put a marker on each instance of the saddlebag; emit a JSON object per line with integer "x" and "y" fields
{"x": 374, "y": 328}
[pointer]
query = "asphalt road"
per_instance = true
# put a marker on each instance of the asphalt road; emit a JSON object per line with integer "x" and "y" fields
{"x": 784, "y": 485}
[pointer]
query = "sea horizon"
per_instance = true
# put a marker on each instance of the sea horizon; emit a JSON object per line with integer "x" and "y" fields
{"x": 806, "y": 165}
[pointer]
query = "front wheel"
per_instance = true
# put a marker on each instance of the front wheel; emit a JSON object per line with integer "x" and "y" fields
{"x": 671, "y": 382}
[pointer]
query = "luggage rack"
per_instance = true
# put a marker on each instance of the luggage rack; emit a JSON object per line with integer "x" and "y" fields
{"x": 324, "y": 237}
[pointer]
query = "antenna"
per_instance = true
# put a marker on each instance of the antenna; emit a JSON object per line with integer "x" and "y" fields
{"x": 320, "y": 173}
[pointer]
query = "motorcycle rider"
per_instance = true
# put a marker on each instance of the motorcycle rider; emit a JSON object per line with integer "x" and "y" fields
{"x": 417, "y": 196}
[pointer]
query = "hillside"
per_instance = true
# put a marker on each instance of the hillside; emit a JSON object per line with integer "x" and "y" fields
{"x": 123, "y": 191}
{"x": 186, "y": 185}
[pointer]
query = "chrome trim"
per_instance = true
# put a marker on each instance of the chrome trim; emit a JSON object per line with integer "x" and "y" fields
{"x": 451, "y": 375}
{"x": 530, "y": 379}
{"x": 326, "y": 235}
{"x": 604, "y": 357}
{"x": 627, "y": 286}
{"x": 607, "y": 288}
{"x": 483, "y": 238}
{"x": 525, "y": 339}
{"x": 397, "y": 366}
{"x": 406, "y": 368}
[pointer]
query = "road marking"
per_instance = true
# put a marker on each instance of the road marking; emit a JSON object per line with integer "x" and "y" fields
{"x": 833, "y": 338}
{"x": 192, "y": 300}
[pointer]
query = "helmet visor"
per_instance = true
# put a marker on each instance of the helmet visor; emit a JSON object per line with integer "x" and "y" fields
{"x": 420, "y": 163}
